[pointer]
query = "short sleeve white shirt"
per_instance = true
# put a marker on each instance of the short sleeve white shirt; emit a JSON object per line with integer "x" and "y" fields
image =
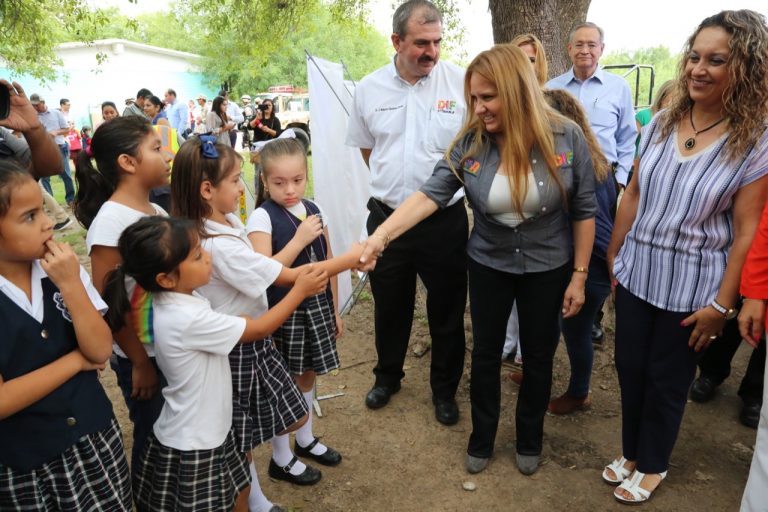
{"x": 35, "y": 307}
{"x": 106, "y": 229}
{"x": 260, "y": 221}
{"x": 192, "y": 346}
{"x": 407, "y": 127}
{"x": 240, "y": 276}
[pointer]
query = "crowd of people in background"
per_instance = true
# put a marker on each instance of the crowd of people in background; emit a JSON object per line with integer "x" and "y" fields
{"x": 236, "y": 125}
{"x": 216, "y": 329}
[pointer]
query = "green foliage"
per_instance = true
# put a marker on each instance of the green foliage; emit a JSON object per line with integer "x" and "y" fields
{"x": 29, "y": 29}
{"x": 354, "y": 42}
{"x": 663, "y": 62}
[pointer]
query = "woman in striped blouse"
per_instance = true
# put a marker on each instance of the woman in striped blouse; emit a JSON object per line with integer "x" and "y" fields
{"x": 682, "y": 233}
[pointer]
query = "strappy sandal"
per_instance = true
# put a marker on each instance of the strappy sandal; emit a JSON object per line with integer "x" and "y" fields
{"x": 632, "y": 486}
{"x": 617, "y": 466}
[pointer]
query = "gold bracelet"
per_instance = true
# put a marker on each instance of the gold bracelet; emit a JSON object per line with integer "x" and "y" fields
{"x": 384, "y": 237}
{"x": 581, "y": 269}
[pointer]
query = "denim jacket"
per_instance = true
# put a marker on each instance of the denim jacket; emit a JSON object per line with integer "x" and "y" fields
{"x": 542, "y": 242}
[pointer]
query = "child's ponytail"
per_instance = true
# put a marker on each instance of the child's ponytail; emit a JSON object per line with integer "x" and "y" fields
{"x": 116, "y": 296}
{"x": 120, "y": 136}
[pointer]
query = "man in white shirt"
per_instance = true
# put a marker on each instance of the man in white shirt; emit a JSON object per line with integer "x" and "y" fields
{"x": 404, "y": 117}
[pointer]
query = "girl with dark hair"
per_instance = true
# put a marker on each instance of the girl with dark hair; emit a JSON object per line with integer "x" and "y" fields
{"x": 205, "y": 188}
{"x": 130, "y": 163}
{"x": 61, "y": 445}
{"x": 217, "y": 121}
{"x": 153, "y": 108}
{"x": 109, "y": 111}
{"x": 290, "y": 229}
{"x": 191, "y": 461}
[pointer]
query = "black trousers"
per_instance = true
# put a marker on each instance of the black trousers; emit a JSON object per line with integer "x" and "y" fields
{"x": 656, "y": 367}
{"x": 715, "y": 363}
{"x": 539, "y": 297}
{"x": 435, "y": 250}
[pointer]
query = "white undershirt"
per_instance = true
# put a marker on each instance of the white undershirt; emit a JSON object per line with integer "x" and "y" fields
{"x": 500, "y": 201}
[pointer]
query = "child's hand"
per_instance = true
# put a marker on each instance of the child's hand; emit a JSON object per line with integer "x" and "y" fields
{"x": 309, "y": 229}
{"x": 61, "y": 264}
{"x": 311, "y": 280}
{"x": 339, "y": 326}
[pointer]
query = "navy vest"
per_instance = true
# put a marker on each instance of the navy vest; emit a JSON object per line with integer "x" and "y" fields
{"x": 284, "y": 225}
{"x": 47, "y": 428}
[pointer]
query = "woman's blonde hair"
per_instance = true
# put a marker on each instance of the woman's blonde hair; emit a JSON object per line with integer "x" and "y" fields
{"x": 666, "y": 90}
{"x": 540, "y": 66}
{"x": 525, "y": 118}
{"x": 745, "y": 99}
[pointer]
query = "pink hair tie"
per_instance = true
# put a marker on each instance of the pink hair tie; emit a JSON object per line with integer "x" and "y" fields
{"x": 89, "y": 152}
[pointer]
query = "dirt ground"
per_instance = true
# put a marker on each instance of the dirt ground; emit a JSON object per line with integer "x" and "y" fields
{"x": 400, "y": 459}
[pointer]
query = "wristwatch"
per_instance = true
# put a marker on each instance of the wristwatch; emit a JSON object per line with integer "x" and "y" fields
{"x": 729, "y": 314}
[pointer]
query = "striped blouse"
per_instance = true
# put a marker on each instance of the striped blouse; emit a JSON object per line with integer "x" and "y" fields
{"x": 675, "y": 253}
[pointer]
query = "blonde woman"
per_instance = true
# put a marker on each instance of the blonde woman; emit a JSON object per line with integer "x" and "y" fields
{"x": 527, "y": 173}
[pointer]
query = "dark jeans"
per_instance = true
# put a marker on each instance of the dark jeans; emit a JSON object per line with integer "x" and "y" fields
{"x": 143, "y": 413}
{"x": 656, "y": 367}
{"x": 435, "y": 250}
{"x": 577, "y": 330}
{"x": 715, "y": 363}
{"x": 65, "y": 175}
{"x": 539, "y": 297}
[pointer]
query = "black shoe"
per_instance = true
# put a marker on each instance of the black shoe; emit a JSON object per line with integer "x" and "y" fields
{"x": 750, "y": 414}
{"x": 597, "y": 334}
{"x": 310, "y": 476}
{"x": 703, "y": 389}
{"x": 330, "y": 458}
{"x": 62, "y": 224}
{"x": 446, "y": 411}
{"x": 378, "y": 396}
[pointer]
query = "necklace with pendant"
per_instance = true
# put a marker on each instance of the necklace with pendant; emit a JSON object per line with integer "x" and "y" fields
{"x": 690, "y": 142}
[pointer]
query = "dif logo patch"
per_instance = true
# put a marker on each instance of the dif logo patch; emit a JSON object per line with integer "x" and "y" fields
{"x": 446, "y": 106}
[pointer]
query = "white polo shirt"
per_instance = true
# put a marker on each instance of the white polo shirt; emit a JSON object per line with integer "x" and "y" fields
{"x": 407, "y": 127}
{"x": 241, "y": 276}
{"x": 192, "y": 346}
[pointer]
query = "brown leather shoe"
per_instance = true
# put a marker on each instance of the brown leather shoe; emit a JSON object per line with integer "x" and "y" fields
{"x": 516, "y": 377}
{"x": 566, "y": 404}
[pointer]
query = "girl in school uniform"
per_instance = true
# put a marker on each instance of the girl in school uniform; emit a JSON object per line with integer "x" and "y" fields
{"x": 190, "y": 462}
{"x": 60, "y": 444}
{"x": 290, "y": 229}
{"x": 131, "y": 162}
{"x": 205, "y": 188}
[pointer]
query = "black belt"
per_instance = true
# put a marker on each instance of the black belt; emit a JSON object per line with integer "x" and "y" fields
{"x": 379, "y": 208}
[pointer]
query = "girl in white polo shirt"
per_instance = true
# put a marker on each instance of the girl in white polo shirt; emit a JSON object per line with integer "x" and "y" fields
{"x": 111, "y": 196}
{"x": 205, "y": 188}
{"x": 190, "y": 462}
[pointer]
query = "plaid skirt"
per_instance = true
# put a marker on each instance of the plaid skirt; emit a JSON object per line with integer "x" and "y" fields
{"x": 92, "y": 475}
{"x": 307, "y": 340}
{"x": 265, "y": 398}
{"x": 173, "y": 480}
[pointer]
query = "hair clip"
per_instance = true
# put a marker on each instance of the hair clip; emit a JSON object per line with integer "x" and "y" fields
{"x": 208, "y": 146}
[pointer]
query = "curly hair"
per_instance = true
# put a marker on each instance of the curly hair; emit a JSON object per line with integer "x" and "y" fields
{"x": 745, "y": 99}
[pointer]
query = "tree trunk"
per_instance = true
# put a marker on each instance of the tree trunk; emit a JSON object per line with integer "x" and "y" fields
{"x": 549, "y": 20}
